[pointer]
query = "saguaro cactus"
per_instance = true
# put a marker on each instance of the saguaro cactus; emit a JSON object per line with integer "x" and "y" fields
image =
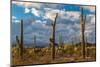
{"x": 17, "y": 42}
{"x": 86, "y": 43}
{"x": 21, "y": 40}
{"x": 82, "y": 39}
{"x": 60, "y": 41}
{"x": 34, "y": 41}
{"x": 53, "y": 37}
{"x": 18, "y": 45}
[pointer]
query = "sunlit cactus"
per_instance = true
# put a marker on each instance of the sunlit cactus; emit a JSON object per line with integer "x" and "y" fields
{"x": 82, "y": 39}
{"x": 17, "y": 42}
{"x": 34, "y": 41}
{"x": 52, "y": 39}
{"x": 61, "y": 41}
{"x": 21, "y": 39}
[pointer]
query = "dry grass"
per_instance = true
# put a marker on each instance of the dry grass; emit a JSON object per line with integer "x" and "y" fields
{"x": 43, "y": 55}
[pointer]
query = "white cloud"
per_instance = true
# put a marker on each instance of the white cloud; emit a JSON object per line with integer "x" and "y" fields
{"x": 71, "y": 15}
{"x": 90, "y": 25}
{"x": 38, "y": 21}
{"x": 13, "y": 17}
{"x": 16, "y": 21}
{"x": 50, "y": 13}
{"x": 91, "y": 8}
{"x": 35, "y": 12}
{"x": 27, "y": 4}
{"x": 27, "y": 10}
{"x": 41, "y": 22}
{"x": 91, "y": 18}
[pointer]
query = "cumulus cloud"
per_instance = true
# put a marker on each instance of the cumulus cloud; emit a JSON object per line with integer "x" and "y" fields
{"x": 72, "y": 15}
{"x": 91, "y": 17}
{"x": 15, "y": 20}
{"x": 27, "y": 4}
{"x": 44, "y": 16}
{"x": 50, "y": 13}
{"x": 91, "y": 8}
{"x": 35, "y": 12}
{"x": 42, "y": 22}
{"x": 13, "y": 17}
{"x": 90, "y": 26}
{"x": 27, "y": 10}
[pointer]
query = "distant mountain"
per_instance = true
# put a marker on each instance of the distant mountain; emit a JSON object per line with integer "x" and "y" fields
{"x": 38, "y": 44}
{"x": 87, "y": 44}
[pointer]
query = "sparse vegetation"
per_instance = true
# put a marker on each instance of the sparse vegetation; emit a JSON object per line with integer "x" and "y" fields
{"x": 22, "y": 55}
{"x": 43, "y": 55}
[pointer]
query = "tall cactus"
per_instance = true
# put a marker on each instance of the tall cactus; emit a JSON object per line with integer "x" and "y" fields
{"x": 82, "y": 23}
{"x": 53, "y": 38}
{"x": 18, "y": 45}
{"x": 86, "y": 46}
{"x": 34, "y": 41}
{"x": 21, "y": 40}
{"x": 72, "y": 42}
{"x": 60, "y": 41}
{"x": 17, "y": 42}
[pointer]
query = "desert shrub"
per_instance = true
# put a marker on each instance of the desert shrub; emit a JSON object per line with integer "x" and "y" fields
{"x": 91, "y": 52}
{"x": 69, "y": 50}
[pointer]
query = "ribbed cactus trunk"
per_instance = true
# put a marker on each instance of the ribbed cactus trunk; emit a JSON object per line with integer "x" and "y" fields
{"x": 82, "y": 39}
{"x": 17, "y": 42}
{"x": 72, "y": 42}
{"x": 34, "y": 41}
{"x": 18, "y": 45}
{"x": 21, "y": 40}
{"x": 60, "y": 41}
{"x": 53, "y": 38}
{"x": 86, "y": 46}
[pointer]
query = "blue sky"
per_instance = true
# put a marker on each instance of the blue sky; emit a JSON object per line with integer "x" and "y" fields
{"x": 38, "y": 17}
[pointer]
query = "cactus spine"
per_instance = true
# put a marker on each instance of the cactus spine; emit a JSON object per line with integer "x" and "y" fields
{"x": 82, "y": 39}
